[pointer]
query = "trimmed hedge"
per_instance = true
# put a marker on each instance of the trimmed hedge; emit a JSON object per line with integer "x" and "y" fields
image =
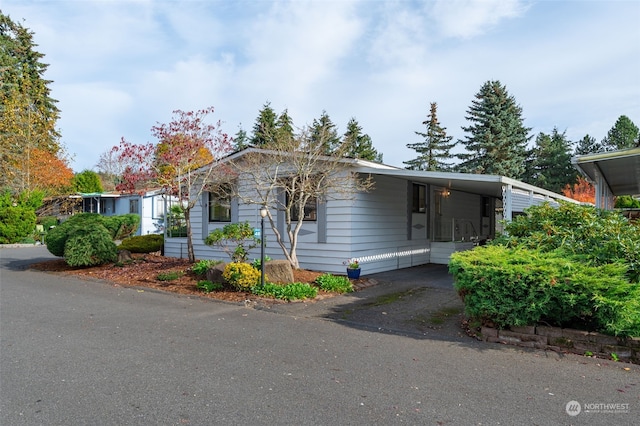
{"x": 143, "y": 243}
{"x": 574, "y": 266}
{"x": 517, "y": 287}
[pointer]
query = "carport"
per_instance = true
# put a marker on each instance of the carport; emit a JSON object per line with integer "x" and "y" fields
{"x": 613, "y": 173}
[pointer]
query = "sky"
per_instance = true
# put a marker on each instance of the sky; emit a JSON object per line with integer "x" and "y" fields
{"x": 120, "y": 67}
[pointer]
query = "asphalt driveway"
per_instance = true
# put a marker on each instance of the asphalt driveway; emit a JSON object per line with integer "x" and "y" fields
{"x": 76, "y": 352}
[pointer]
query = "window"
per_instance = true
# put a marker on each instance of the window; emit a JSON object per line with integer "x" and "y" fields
{"x": 419, "y": 204}
{"x": 134, "y": 206}
{"x": 159, "y": 204}
{"x": 219, "y": 208}
{"x": 310, "y": 210}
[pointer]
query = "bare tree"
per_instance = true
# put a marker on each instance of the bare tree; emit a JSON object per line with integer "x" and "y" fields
{"x": 290, "y": 174}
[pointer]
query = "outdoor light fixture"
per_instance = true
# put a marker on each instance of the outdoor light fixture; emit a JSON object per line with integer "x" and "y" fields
{"x": 263, "y": 214}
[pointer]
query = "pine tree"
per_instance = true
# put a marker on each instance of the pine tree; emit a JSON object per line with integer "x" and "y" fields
{"x": 359, "y": 145}
{"x": 324, "y": 132}
{"x": 28, "y": 114}
{"x": 264, "y": 129}
{"x": 624, "y": 134}
{"x": 551, "y": 166}
{"x": 497, "y": 138}
{"x": 436, "y": 147}
{"x": 588, "y": 145}
{"x": 284, "y": 128}
{"x": 241, "y": 139}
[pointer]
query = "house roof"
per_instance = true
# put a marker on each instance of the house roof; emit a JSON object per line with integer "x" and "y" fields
{"x": 620, "y": 169}
{"x": 487, "y": 185}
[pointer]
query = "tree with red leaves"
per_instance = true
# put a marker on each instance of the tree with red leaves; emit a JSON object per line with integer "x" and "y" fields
{"x": 581, "y": 191}
{"x": 187, "y": 155}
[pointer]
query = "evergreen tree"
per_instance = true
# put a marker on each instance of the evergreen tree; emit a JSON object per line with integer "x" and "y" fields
{"x": 588, "y": 145}
{"x": 87, "y": 181}
{"x": 497, "y": 139}
{"x": 241, "y": 139}
{"x": 264, "y": 129}
{"x": 358, "y": 145}
{"x": 324, "y": 132}
{"x": 551, "y": 166}
{"x": 284, "y": 128}
{"x": 624, "y": 134}
{"x": 28, "y": 114}
{"x": 436, "y": 147}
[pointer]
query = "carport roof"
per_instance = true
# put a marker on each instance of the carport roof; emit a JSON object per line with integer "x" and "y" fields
{"x": 620, "y": 169}
{"x": 487, "y": 185}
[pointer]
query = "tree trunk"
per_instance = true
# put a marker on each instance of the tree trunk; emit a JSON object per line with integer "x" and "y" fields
{"x": 187, "y": 219}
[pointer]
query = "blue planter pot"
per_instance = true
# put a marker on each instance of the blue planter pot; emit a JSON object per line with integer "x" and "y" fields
{"x": 353, "y": 274}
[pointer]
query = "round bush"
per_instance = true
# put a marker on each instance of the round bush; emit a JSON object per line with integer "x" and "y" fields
{"x": 143, "y": 243}
{"x": 90, "y": 246}
{"x": 241, "y": 276}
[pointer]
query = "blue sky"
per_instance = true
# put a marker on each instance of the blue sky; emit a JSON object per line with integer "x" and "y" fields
{"x": 119, "y": 67}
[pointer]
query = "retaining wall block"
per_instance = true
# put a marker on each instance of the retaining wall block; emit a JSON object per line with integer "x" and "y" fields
{"x": 527, "y": 329}
{"x": 549, "y": 331}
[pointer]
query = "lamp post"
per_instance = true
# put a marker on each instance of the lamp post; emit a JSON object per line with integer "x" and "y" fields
{"x": 263, "y": 214}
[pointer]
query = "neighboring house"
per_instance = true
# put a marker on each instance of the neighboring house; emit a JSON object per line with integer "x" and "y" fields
{"x": 150, "y": 206}
{"x": 409, "y": 218}
{"x": 613, "y": 173}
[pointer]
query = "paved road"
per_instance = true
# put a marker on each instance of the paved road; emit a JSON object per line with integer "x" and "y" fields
{"x": 76, "y": 352}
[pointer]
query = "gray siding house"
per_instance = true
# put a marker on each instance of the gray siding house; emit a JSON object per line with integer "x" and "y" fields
{"x": 409, "y": 218}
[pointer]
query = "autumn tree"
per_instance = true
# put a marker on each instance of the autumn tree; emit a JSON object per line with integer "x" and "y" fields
{"x": 359, "y": 145}
{"x": 581, "y": 191}
{"x": 186, "y": 155}
{"x": 290, "y": 179}
{"x": 28, "y": 114}
{"x": 623, "y": 134}
{"x": 496, "y": 140}
{"x": 435, "y": 149}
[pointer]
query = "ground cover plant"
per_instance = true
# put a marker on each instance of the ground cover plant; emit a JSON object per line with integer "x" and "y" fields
{"x": 573, "y": 266}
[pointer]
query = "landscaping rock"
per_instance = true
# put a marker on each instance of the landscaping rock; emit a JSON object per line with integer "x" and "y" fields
{"x": 214, "y": 274}
{"x": 124, "y": 256}
{"x": 278, "y": 271}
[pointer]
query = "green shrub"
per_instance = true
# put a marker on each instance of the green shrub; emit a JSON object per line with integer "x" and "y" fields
{"x": 593, "y": 235}
{"x": 627, "y": 202}
{"x": 519, "y": 286}
{"x": 89, "y": 246}
{"x": 169, "y": 276}
{"x": 257, "y": 262}
{"x": 293, "y": 291}
{"x": 208, "y": 286}
{"x": 334, "y": 283}
{"x": 201, "y": 267}
{"x": 121, "y": 226}
{"x": 235, "y": 239}
{"x": 241, "y": 276}
{"x": 16, "y": 222}
{"x": 58, "y": 236}
{"x": 143, "y": 243}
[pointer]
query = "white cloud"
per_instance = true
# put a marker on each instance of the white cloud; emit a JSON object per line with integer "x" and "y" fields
{"x": 469, "y": 18}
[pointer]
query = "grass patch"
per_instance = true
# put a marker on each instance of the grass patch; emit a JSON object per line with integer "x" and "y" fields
{"x": 169, "y": 276}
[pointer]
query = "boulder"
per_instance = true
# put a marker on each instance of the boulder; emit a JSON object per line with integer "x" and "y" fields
{"x": 214, "y": 274}
{"x": 124, "y": 256}
{"x": 278, "y": 271}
